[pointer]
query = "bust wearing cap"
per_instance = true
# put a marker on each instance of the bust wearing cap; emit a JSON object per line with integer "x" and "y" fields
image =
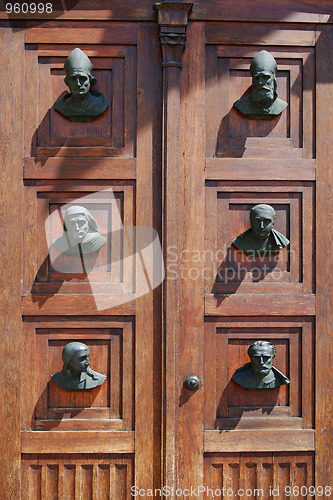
{"x": 263, "y": 102}
{"x": 81, "y": 104}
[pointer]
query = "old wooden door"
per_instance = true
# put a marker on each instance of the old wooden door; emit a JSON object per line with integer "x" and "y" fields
{"x": 222, "y": 439}
{"x": 94, "y": 444}
{"x": 192, "y": 173}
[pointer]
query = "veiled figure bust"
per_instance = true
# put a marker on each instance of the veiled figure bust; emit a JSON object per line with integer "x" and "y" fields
{"x": 263, "y": 103}
{"x": 260, "y": 374}
{"x": 76, "y": 374}
{"x": 81, "y": 235}
{"x": 81, "y": 104}
{"x": 261, "y": 238}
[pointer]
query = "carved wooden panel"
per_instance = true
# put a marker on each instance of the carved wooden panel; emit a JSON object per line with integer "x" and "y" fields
{"x": 112, "y": 206}
{"x": 230, "y": 406}
{"x": 109, "y": 406}
{"x": 76, "y": 476}
{"x": 228, "y": 269}
{"x": 72, "y": 435}
{"x": 110, "y": 134}
{"x": 228, "y": 78}
{"x": 250, "y": 475}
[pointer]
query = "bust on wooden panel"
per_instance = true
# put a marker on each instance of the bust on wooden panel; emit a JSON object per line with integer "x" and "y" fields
{"x": 260, "y": 374}
{"x": 80, "y": 104}
{"x": 261, "y": 238}
{"x": 77, "y": 249}
{"x": 81, "y": 234}
{"x": 263, "y": 102}
{"x": 76, "y": 374}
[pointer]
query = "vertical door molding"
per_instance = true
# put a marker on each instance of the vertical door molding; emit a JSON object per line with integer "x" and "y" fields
{"x": 148, "y": 315}
{"x": 11, "y": 210}
{"x": 172, "y": 19}
{"x": 324, "y": 260}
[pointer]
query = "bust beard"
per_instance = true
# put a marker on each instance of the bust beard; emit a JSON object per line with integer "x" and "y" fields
{"x": 88, "y": 245}
{"x": 263, "y": 97}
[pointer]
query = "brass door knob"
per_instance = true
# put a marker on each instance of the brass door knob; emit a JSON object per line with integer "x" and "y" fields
{"x": 192, "y": 382}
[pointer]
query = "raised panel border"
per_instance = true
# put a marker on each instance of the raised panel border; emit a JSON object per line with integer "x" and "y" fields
{"x": 300, "y": 280}
{"x": 302, "y": 377}
{"x": 37, "y": 118}
{"x": 43, "y": 294}
{"x": 37, "y": 416}
{"x": 300, "y": 112}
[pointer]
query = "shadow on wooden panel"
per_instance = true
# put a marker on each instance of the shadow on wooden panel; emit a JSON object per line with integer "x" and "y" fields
{"x": 35, "y": 289}
{"x": 69, "y": 413}
{"x": 235, "y": 130}
{"x": 233, "y": 271}
{"x": 256, "y": 409}
{"x": 185, "y": 395}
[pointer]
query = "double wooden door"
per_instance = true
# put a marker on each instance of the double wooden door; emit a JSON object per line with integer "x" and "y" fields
{"x": 169, "y": 153}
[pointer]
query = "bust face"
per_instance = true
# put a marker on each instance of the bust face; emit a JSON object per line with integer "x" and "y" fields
{"x": 263, "y": 87}
{"x": 79, "y": 83}
{"x": 79, "y": 361}
{"x": 77, "y": 227}
{"x": 262, "y": 222}
{"x": 262, "y": 361}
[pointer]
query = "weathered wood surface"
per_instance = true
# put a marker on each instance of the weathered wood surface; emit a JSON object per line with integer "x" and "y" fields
{"x": 263, "y": 440}
{"x": 11, "y": 347}
{"x": 298, "y": 11}
{"x": 77, "y": 442}
{"x": 324, "y": 342}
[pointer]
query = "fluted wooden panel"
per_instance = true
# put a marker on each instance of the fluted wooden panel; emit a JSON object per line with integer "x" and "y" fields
{"x": 88, "y": 477}
{"x": 258, "y": 476}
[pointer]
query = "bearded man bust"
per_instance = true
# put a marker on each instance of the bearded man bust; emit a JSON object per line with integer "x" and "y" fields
{"x": 263, "y": 103}
{"x": 81, "y": 234}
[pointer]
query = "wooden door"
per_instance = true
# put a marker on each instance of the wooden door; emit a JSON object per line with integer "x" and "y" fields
{"x": 232, "y": 442}
{"x": 192, "y": 173}
{"x": 94, "y": 444}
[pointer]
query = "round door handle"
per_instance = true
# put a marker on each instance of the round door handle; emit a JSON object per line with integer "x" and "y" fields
{"x": 192, "y": 382}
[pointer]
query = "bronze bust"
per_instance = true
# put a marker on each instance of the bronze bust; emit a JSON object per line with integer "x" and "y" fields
{"x": 81, "y": 234}
{"x": 263, "y": 103}
{"x": 81, "y": 104}
{"x": 260, "y": 374}
{"x": 261, "y": 238}
{"x": 76, "y": 375}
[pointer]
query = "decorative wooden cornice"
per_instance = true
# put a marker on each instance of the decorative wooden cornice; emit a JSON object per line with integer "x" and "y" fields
{"x": 172, "y": 18}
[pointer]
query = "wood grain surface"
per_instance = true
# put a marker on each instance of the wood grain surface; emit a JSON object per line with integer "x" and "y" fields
{"x": 11, "y": 348}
